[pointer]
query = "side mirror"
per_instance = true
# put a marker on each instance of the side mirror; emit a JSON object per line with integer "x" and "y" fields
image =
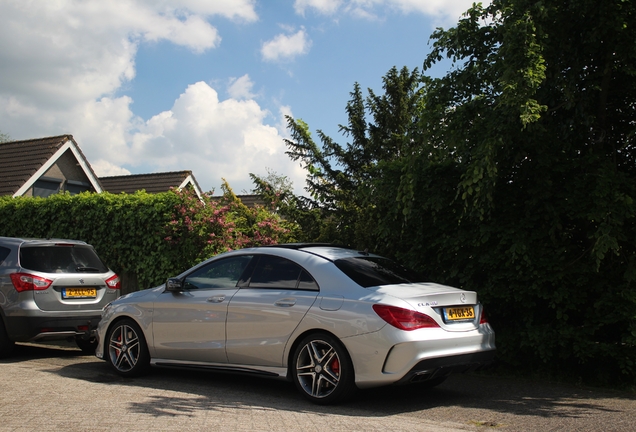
{"x": 174, "y": 285}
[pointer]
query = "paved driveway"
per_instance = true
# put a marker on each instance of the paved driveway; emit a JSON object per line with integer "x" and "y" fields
{"x": 56, "y": 388}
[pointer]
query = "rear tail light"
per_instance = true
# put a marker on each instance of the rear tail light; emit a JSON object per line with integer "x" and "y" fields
{"x": 483, "y": 319}
{"x": 113, "y": 282}
{"x": 404, "y": 319}
{"x": 29, "y": 282}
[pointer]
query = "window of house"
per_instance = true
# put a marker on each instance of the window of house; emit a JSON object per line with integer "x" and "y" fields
{"x": 46, "y": 186}
{"x": 76, "y": 187}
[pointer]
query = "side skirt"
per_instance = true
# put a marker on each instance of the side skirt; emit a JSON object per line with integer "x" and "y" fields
{"x": 268, "y": 372}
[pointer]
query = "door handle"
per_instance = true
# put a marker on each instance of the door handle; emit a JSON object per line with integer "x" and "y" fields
{"x": 216, "y": 299}
{"x": 286, "y": 302}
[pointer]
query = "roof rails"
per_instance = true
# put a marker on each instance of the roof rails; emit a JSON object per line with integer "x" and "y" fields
{"x": 305, "y": 245}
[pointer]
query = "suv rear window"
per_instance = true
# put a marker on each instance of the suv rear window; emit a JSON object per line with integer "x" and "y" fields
{"x": 374, "y": 271}
{"x": 60, "y": 258}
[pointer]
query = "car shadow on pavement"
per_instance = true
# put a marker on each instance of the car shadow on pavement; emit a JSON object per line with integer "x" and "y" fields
{"x": 190, "y": 391}
{"x": 472, "y": 401}
{"x": 30, "y": 351}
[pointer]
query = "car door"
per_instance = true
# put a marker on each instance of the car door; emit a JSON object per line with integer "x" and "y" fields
{"x": 190, "y": 325}
{"x": 263, "y": 314}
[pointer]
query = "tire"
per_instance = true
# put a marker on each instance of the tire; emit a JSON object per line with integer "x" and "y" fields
{"x": 322, "y": 369}
{"x": 87, "y": 346}
{"x": 6, "y": 344}
{"x": 126, "y": 349}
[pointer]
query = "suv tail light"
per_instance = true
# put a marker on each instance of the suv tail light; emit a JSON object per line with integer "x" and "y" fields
{"x": 404, "y": 319}
{"x": 29, "y": 282}
{"x": 113, "y": 282}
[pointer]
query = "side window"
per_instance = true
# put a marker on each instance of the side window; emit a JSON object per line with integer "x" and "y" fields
{"x": 306, "y": 282}
{"x": 4, "y": 253}
{"x": 223, "y": 273}
{"x": 277, "y": 272}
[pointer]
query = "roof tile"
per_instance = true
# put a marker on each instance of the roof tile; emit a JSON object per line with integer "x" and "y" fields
{"x": 21, "y": 159}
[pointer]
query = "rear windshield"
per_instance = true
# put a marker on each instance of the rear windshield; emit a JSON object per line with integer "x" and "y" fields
{"x": 61, "y": 259}
{"x": 375, "y": 271}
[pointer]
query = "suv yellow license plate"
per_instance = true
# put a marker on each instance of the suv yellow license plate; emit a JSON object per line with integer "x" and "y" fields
{"x": 459, "y": 313}
{"x": 79, "y": 293}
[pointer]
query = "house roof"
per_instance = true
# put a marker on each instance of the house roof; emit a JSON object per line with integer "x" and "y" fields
{"x": 24, "y": 162}
{"x": 249, "y": 201}
{"x": 151, "y": 183}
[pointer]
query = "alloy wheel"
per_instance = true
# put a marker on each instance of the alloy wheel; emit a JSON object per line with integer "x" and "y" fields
{"x": 318, "y": 368}
{"x": 124, "y": 348}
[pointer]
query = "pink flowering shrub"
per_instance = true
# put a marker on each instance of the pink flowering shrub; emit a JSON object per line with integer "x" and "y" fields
{"x": 203, "y": 227}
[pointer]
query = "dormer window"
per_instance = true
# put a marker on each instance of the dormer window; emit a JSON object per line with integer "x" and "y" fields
{"x": 46, "y": 186}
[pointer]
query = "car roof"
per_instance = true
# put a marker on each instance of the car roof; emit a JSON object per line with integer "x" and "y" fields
{"x": 16, "y": 241}
{"x": 328, "y": 251}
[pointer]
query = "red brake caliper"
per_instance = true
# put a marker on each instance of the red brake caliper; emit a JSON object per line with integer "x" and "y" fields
{"x": 118, "y": 340}
{"x": 335, "y": 366}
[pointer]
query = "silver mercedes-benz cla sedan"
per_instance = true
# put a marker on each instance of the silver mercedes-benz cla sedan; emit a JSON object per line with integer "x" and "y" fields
{"x": 327, "y": 318}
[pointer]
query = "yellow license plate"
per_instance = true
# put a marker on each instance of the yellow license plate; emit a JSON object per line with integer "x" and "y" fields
{"x": 79, "y": 293}
{"x": 460, "y": 313}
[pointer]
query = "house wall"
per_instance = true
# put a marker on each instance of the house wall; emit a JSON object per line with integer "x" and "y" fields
{"x": 66, "y": 169}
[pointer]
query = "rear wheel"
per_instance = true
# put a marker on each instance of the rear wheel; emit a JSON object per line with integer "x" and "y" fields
{"x": 322, "y": 369}
{"x": 6, "y": 344}
{"x": 126, "y": 349}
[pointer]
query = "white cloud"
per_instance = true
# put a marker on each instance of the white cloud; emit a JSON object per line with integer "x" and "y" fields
{"x": 105, "y": 169}
{"x": 241, "y": 88}
{"x": 285, "y": 47}
{"x": 235, "y": 9}
{"x": 326, "y": 7}
{"x": 443, "y": 11}
{"x": 88, "y": 47}
{"x": 284, "y": 112}
{"x": 65, "y": 52}
{"x": 62, "y": 62}
{"x": 215, "y": 139}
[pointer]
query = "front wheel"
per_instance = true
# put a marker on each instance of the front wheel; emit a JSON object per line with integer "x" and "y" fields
{"x": 322, "y": 370}
{"x": 126, "y": 349}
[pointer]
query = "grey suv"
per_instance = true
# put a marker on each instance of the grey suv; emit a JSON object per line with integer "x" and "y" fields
{"x": 52, "y": 289}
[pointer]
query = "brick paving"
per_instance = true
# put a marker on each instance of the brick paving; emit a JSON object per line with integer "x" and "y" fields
{"x": 56, "y": 388}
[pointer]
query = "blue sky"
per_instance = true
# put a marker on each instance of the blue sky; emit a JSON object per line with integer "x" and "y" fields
{"x": 202, "y": 85}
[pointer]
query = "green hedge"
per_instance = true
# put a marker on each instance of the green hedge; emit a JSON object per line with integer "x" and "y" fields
{"x": 143, "y": 237}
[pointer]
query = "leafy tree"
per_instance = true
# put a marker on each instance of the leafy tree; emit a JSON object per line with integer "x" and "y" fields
{"x": 513, "y": 175}
{"x": 539, "y": 114}
{"x": 382, "y": 129}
